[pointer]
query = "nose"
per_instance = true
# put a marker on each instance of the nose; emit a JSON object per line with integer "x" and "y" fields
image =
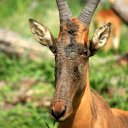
{"x": 58, "y": 111}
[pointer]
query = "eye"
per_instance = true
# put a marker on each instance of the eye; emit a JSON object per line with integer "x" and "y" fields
{"x": 84, "y": 53}
{"x": 53, "y": 49}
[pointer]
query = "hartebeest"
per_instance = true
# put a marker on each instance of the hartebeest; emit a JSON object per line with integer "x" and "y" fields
{"x": 74, "y": 104}
{"x": 104, "y": 16}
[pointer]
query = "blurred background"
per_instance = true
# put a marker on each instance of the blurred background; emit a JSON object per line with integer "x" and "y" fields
{"x": 27, "y": 68}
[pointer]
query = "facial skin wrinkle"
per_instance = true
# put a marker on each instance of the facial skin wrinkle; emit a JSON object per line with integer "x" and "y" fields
{"x": 62, "y": 90}
{"x": 61, "y": 97}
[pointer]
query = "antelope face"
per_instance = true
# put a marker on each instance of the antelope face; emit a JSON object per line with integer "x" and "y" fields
{"x": 72, "y": 50}
{"x": 70, "y": 66}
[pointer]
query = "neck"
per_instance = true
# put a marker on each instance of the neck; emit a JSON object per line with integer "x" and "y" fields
{"x": 82, "y": 115}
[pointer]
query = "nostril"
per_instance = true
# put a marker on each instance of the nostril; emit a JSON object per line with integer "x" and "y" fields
{"x": 58, "y": 114}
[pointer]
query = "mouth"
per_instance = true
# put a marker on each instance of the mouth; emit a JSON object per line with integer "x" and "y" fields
{"x": 57, "y": 115}
{"x": 62, "y": 117}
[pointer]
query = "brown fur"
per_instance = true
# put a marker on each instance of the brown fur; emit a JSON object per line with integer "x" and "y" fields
{"x": 82, "y": 33}
{"x": 94, "y": 112}
{"x": 85, "y": 108}
{"x": 74, "y": 104}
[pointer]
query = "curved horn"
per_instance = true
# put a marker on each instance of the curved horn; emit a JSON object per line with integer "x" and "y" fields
{"x": 87, "y": 12}
{"x": 64, "y": 10}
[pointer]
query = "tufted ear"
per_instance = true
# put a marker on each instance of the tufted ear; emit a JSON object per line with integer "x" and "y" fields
{"x": 41, "y": 33}
{"x": 100, "y": 38}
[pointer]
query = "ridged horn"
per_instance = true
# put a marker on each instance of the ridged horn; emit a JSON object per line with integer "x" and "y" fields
{"x": 64, "y": 10}
{"x": 87, "y": 13}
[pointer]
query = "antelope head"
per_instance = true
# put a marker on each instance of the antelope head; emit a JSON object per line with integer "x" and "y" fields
{"x": 72, "y": 50}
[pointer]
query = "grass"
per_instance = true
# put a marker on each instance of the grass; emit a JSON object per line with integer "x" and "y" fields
{"x": 108, "y": 78}
{"x": 24, "y": 115}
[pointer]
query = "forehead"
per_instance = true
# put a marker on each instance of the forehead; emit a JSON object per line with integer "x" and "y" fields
{"x": 73, "y": 30}
{"x": 70, "y": 51}
{"x": 73, "y": 23}
{"x": 72, "y": 46}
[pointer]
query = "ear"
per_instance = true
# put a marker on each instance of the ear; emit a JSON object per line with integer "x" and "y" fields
{"x": 41, "y": 33}
{"x": 100, "y": 38}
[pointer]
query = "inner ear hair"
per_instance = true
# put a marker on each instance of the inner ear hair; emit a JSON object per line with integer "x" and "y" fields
{"x": 100, "y": 38}
{"x": 41, "y": 33}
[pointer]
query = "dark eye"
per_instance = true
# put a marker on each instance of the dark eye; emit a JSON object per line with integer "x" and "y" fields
{"x": 84, "y": 53}
{"x": 53, "y": 49}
